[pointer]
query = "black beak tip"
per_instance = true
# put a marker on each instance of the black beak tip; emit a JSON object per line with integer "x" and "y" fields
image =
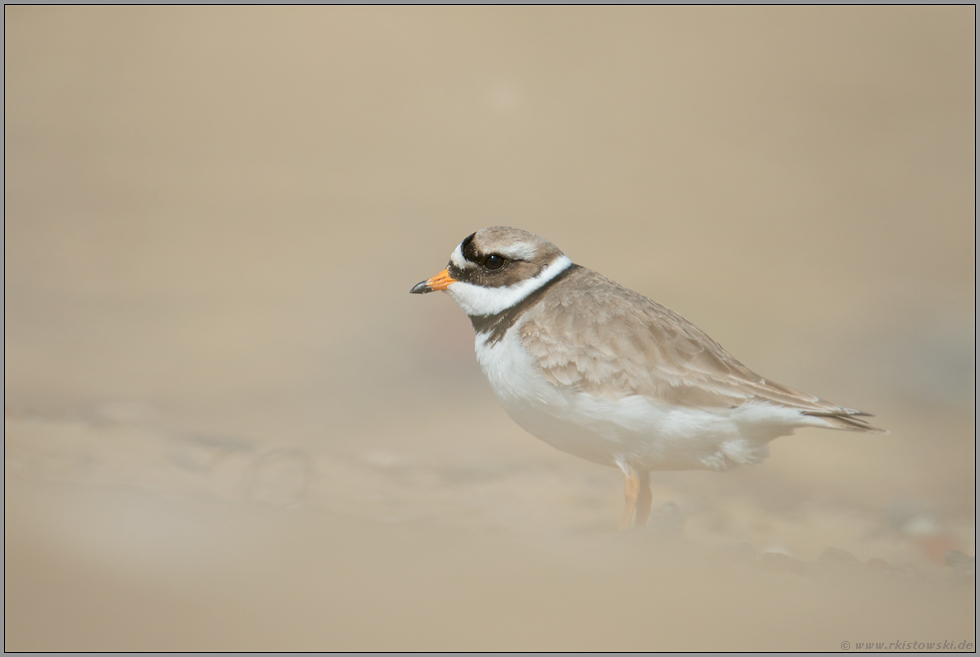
{"x": 420, "y": 288}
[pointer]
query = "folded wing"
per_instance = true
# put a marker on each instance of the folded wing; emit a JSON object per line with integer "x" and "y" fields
{"x": 609, "y": 341}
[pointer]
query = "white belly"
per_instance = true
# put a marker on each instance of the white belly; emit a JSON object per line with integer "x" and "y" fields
{"x": 635, "y": 430}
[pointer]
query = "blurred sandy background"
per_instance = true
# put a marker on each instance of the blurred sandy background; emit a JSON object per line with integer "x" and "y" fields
{"x": 228, "y": 426}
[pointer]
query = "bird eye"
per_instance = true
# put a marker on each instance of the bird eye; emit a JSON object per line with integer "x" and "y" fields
{"x": 493, "y": 261}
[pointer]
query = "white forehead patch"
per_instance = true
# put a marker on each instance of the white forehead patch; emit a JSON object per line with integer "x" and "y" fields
{"x": 457, "y": 258}
{"x": 479, "y": 301}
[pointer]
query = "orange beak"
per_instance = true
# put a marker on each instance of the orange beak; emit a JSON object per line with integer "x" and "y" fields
{"x": 440, "y": 281}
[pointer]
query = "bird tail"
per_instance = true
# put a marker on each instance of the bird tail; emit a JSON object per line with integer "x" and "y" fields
{"x": 846, "y": 419}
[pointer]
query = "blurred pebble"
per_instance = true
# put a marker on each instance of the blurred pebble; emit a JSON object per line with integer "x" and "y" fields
{"x": 778, "y": 562}
{"x": 835, "y": 562}
{"x": 776, "y": 548}
{"x": 963, "y": 565}
{"x": 280, "y": 477}
{"x": 880, "y": 565}
{"x": 914, "y": 520}
{"x": 666, "y": 520}
{"x": 383, "y": 458}
{"x": 838, "y": 558}
{"x": 742, "y": 550}
{"x": 126, "y": 413}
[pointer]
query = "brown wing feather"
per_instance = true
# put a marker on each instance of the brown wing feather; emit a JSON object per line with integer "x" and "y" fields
{"x": 606, "y": 340}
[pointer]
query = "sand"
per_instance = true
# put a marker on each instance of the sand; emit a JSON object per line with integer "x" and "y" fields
{"x": 228, "y": 426}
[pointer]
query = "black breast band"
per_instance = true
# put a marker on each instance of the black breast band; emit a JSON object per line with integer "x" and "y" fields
{"x": 495, "y": 326}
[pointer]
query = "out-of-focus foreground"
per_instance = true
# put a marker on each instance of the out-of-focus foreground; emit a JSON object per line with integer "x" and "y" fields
{"x": 228, "y": 425}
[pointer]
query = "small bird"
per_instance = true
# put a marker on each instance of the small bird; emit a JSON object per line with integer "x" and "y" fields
{"x": 599, "y": 371}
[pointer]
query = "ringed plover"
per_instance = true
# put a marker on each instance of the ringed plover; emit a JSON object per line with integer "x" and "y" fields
{"x": 601, "y": 372}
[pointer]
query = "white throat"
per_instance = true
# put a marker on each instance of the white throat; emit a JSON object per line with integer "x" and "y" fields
{"x": 479, "y": 301}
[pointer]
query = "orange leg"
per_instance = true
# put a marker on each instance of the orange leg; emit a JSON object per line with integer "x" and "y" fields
{"x": 644, "y": 500}
{"x": 632, "y": 491}
{"x": 639, "y": 498}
